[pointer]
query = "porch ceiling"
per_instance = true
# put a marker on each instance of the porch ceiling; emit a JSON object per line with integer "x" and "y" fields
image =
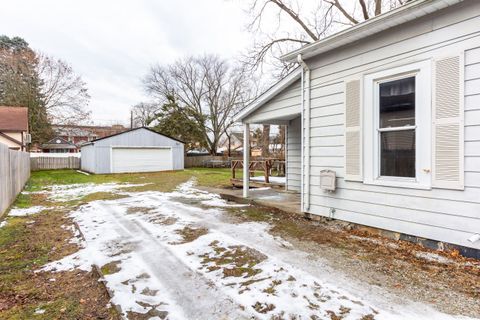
{"x": 281, "y": 120}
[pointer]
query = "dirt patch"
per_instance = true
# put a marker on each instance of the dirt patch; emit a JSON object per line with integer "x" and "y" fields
{"x": 234, "y": 261}
{"x": 401, "y": 267}
{"x": 102, "y": 196}
{"x": 263, "y": 307}
{"x": 167, "y": 221}
{"x": 111, "y": 268}
{"x": 271, "y": 288}
{"x": 149, "y": 292}
{"x": 24, "y": 248}
{"x": 119, "y": 248}
{"x": 134, "y": 210}
{"x": 152, "y": 313}
{"x": 190, "y": 234}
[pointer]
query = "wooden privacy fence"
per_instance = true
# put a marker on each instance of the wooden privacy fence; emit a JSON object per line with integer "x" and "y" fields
{"x": 48, "y": 163}
{"x": 14, "y": 173}
{"x": 203, "y": 161}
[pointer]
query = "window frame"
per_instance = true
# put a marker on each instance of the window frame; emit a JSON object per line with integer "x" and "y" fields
{"x": 423, "y": 137}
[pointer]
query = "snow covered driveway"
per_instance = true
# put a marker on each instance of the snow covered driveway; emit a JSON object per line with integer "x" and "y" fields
{"x": 175, "y": 255}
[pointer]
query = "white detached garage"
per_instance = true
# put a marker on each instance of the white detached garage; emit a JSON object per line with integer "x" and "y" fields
{"x": 136, "y": 150}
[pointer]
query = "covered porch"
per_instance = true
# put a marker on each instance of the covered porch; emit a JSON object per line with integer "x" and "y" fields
{"x": 279, "y": 105}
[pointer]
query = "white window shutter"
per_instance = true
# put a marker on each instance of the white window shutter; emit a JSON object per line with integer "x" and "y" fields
{"x": 448, "y": 127}
{"x": 353, "y": 133}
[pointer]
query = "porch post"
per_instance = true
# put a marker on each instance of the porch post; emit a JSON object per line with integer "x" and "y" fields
{"x": 246, "y": 159}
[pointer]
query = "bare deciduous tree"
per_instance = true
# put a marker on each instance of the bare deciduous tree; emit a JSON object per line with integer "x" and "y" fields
{"x": 64, "y": 93}
{"x": 208, "y": 87}
{"x": 144, "y": 113}
{"x": 281, "y": 26}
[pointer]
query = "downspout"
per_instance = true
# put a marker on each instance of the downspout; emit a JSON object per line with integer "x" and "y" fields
{"x": 305, "y": 152}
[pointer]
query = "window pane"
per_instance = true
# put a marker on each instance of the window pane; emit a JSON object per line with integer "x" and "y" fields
{"x": 397, "y": 103}
{"x": 397, "y": 153}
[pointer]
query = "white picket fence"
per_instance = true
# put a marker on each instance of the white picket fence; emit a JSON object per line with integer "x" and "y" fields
{"x": 14, "y": 173}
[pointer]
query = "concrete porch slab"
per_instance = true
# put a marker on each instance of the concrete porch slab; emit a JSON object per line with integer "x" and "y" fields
{"x": 278, "y": 199}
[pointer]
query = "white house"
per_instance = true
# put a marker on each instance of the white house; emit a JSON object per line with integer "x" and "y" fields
{"x": 392, "y": 107}
{"x": 136, "y": 150}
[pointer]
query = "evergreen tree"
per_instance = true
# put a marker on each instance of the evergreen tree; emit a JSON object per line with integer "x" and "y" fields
{"x": 20, "y": 85}
{"x": 179, "y": 123}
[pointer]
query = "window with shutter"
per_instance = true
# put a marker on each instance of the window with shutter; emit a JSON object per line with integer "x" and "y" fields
{"x": 353, "y": 134}
{"x": 397, "y": 126}
{"x": 448, "y": 161}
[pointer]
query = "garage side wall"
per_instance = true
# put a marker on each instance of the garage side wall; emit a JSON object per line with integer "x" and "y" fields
{"x": 102, "y": 159}
{"x": 87, "y": 160}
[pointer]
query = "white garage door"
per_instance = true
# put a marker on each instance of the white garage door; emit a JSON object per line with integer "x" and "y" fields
{"x": 141, "y": 159}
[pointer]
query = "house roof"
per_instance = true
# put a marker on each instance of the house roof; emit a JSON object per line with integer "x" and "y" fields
{"x": 269, "y": 94}
{"x": 405, "y": 13}
{"x": 58, "y": 143}
{"x": 13, "y": 119}
{"x": 116, "y": 134}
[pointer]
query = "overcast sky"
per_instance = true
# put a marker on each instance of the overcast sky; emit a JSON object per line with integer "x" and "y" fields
{"x": 112, "y": 43}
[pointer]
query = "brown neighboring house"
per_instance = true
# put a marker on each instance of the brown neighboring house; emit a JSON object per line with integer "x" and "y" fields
{"x": 79, "y": 135}
{"x": 14, "y": 127}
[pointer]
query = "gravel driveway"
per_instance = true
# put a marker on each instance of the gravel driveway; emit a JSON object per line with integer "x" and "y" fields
{"x": 177, "y": 255}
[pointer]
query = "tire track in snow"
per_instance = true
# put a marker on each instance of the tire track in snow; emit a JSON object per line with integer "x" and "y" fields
{"x": 187, "y": 287}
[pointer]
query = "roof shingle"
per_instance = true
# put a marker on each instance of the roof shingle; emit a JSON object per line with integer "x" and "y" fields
{"x": 13, "y": 119}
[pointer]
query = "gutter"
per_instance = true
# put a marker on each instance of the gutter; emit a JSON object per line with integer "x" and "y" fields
{"x": 305, "y": 121}
{"x": 403, "y": 14}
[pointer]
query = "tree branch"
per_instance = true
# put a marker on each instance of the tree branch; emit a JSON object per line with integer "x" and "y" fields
{"x": 344, "y": 12}
{"x": 364, "y": 9}
{"x": 296, "y": 18}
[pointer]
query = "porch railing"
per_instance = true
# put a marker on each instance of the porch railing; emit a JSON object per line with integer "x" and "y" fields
{"x": 265, "y": 165}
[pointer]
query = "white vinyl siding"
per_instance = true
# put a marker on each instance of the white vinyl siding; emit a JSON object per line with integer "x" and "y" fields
{"x": 282, "y": 106}
{"x": 472, "y": 118}
{"x": 87, "y": 158}
{"x": 294, "y": 159}
{"x": 439, "y": 214}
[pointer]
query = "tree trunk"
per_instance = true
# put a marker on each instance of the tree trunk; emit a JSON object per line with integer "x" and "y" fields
{"x": 265, "y": 140}
{"x": 282, "y": 139}
{"x": 229, "y": 146}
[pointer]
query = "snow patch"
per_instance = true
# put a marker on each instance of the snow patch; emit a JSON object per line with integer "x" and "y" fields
{"x": 277, "y": 180}
{"x": 433, "y": 257}
{"x": 23, "y": 212}
{"x": 39, "y": 311}
{"x": 150, "y": 268}
{"x": 77, "y": 191}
